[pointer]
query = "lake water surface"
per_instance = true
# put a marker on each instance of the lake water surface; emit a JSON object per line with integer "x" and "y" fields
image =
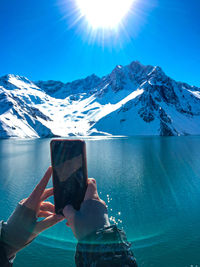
{"x": 151, "y": 186}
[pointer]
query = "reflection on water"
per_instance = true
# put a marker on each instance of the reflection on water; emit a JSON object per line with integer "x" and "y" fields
{"x": 150, "y": 184}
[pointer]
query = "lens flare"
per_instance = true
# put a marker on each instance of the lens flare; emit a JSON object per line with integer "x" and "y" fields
{"x": 106, "y": 14}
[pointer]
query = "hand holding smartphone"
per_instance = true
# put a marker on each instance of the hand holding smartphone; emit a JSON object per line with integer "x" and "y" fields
{"x": 69, "y": 165}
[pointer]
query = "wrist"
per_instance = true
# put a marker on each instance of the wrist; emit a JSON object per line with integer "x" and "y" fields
{"x": 16, "y": 232}
{"x": 92, "y": 217}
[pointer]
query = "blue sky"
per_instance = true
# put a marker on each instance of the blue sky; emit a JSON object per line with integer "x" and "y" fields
{"x": 37, "y": 40}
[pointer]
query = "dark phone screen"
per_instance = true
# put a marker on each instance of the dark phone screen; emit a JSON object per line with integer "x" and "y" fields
{"x": 69, "y": 173}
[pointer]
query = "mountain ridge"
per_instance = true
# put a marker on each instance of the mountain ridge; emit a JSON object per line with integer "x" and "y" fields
{"x": 132, "y": 100}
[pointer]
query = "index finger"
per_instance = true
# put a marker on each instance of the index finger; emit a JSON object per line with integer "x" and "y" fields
{"x": 40, "y": 187}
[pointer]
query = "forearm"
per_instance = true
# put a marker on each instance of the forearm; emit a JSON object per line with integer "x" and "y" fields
{"x": 105, "y": 247}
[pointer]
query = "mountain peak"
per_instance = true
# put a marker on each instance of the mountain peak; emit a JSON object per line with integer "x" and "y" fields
{"x": 136, "y": 65}
{"x": 15, "y": 81}
{"x": 117, "y": 67}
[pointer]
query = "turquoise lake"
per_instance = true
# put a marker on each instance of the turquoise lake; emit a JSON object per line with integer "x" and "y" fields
{"x": 150, "y": 184}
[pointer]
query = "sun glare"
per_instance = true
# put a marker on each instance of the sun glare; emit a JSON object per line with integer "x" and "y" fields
{"x": 106, "y": 14}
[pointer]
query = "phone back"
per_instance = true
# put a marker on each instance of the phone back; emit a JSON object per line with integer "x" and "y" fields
{"x": 69, "y": 173}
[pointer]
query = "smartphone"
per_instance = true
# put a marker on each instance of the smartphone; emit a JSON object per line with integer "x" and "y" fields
{"x": 68, "y": 158}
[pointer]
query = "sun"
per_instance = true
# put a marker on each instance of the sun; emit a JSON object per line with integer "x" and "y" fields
{"x": 104, "y": 14}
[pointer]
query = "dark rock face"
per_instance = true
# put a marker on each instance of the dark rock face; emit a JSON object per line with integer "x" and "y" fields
{"x": 3, "y": 132}
{"x": 117, "y": 79}
{"x": 79, "y": 86}
{"x": 138, "y": 72}
{"x": 165, "y": 130}
{"x": 163, "y": 116}
{"x": 50, "y": 87}
{"x": 168, "y": 94}
{"x": 5, "y": 102}
{"x": 149, "y": 107}
{"x": 146, "y": 115}
{"x": 126, "y": 107}
{"x": 35, "y": 112}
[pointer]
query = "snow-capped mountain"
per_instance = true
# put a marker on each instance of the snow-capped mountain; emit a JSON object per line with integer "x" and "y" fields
{"x": 131, "y": 100}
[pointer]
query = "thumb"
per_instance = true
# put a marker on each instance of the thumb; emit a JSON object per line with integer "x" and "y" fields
{"x": 91, "y": 192}
{"x": 69, "y": 213}
{"x": 47, "y": 222}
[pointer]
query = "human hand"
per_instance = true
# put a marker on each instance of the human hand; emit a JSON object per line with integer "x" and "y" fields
{"x": 93, "y": 214}
{"x": 22, "y": 226}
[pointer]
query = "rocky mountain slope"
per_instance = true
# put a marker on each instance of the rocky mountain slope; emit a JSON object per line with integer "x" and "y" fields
{"x": 131, "y": 100}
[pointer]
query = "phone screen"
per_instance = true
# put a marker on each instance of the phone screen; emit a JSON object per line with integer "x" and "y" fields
{"x": 69, "y": 173}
